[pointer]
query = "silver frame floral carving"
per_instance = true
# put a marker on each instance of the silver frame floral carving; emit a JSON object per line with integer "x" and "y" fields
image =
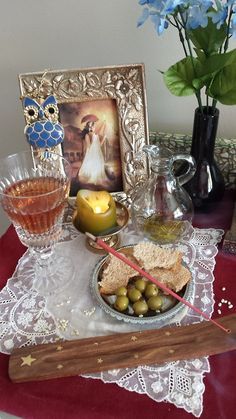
{"x": 125, "y": 84}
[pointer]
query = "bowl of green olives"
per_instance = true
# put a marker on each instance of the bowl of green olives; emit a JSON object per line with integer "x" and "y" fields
{"x": 141, "y": 301}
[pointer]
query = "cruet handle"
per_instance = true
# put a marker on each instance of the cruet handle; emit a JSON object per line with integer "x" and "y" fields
{"x": 185, "y": 177}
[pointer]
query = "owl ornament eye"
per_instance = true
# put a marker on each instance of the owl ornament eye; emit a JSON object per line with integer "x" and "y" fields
{"x": 51, "y": 112}
{"x": 43, "y": 130}
{"x": 31, "y": 113}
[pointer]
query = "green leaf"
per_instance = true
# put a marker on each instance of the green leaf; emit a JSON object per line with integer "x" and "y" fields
{"x": 198, "y": 83}
{"x": 216, "y": 62}
{"x": 206, "y": 70}
{"x": 217, "y": 73}
{"x": 209, "y": 39}
{"x": 178, "y": 78}
{"x": 223, "y": 87}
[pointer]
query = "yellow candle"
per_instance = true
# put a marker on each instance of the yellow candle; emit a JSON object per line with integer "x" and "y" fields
{"x": 96, "y": 211}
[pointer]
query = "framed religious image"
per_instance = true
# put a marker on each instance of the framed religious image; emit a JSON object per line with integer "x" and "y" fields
{"x": 104, "y": 115}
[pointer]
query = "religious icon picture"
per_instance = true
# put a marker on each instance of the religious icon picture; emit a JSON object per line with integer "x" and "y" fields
{"x": 91, "y": 144}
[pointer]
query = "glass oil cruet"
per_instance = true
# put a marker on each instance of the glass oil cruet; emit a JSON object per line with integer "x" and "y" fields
{"x": 161, "y": 209}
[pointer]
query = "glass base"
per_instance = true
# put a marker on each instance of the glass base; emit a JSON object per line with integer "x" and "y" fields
{"x": 50, "y": 277}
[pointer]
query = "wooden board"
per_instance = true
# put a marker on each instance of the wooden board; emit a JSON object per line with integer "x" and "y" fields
{"x": 103, "y": 353}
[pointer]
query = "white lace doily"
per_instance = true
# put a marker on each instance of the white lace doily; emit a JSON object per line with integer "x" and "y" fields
{"x": 29, "y": 319}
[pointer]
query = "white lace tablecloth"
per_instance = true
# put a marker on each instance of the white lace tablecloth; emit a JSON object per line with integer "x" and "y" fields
{"x": 29, "y": 319}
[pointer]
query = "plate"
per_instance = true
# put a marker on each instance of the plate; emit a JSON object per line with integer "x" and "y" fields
{"x": 172, "y": 308}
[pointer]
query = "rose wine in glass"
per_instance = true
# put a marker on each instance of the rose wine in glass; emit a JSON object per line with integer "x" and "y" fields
{"x": 34, "y": 187}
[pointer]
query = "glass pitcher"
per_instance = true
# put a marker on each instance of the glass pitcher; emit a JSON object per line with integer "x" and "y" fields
{"x": 161, "y": 209}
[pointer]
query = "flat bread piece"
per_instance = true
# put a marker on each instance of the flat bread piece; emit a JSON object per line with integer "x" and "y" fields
{"x": 115, "y": 275}
{"x": 151, "y": 256}
{"x": 173, "y": 280}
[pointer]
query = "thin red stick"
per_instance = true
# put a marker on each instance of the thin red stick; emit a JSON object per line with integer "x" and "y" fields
{"x": 152, "y": 279}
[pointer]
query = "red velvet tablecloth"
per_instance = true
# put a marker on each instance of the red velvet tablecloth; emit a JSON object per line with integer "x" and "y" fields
{"x": 78, "y": 397}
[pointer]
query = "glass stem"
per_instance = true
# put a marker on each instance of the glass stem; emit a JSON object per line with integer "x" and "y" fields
{"x": 43, "y": 257}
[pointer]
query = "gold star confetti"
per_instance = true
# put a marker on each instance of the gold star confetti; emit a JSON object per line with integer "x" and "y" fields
{"x": 134, "y": 338}
{"x": 95, "y": 343}
{"x": 90, "y": 311}
{"x": 63, "y": 324}
{"x": 27, "y": 360}
{"x": 167, "y": 333}
{"x": 136, "y": 356}
{"x": 171, "y": 351}
{"x": 74, "y": 332}
{"x": 59, "y": 366}
{"x": 59, "y": 348}
{"x": 100, "y": 361}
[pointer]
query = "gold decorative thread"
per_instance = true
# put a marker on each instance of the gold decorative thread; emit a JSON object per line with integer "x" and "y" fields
{"x": 27, "y": 360}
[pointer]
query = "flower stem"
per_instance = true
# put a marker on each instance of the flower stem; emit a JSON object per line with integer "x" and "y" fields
{"x": 226, "y": 44}
{"x": 181, "y": 37}
{"x": 197, "y": 93}
{"x": 214, "y": 102}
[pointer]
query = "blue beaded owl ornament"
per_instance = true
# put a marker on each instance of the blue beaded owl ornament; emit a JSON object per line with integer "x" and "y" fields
{"x": 43, "y": 129}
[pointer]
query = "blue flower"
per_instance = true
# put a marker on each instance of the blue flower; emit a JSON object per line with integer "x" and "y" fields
{"x": 196, "y": 18}
{"x": 159, "y": 21}
{"x": 171, "y": 5}
{"x": 152, "y": 3}
{"x": 158, "y": 10}
{"x": 197, "y": 13}
{"x": 205, "y": 4}
{"x": 144, "y": 16}
{"x": 231, "y": 2}
{"x": 219, "y": 16}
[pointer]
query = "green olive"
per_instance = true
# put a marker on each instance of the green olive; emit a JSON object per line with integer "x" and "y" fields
{"x": 151, "y": 290}
{"x": 140, "y": 284}
{"x": 134, "y": 295}
{"x": 155, "y": 302}
{"x": 140, "y": 307}
{"x": 121, "y": 303}
{"x": 121, "y": 291}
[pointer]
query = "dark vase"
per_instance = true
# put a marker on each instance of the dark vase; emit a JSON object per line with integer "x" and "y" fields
{"x": 207, "y": 185}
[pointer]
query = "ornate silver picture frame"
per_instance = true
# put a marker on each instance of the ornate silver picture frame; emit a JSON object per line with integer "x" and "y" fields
{"x": 112, "y": 97}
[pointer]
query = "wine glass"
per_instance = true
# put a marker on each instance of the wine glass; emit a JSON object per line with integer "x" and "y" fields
{"x": 34, "y": 187}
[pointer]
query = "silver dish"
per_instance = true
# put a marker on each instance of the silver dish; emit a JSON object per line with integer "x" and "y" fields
{"x": 173, "y": 311}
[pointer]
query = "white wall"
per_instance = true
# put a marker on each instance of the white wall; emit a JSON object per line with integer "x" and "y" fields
{"x": 60, "y": 34}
